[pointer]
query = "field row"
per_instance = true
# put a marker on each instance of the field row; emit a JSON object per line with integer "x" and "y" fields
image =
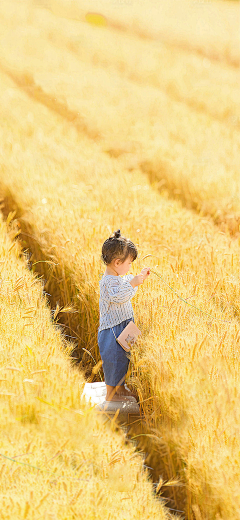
{"x": 47, "y": 467}
{"x": 146, "y": 112}
{"x": 70, "y": 196}
{"x": 207, "y": 28}
{"x": 204, "y": 85}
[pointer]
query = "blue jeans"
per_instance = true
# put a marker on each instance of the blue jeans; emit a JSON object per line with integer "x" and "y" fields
{"x": 115, "y": 359}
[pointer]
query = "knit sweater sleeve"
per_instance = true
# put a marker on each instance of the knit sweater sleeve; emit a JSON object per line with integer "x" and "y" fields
{"x": 119, "y": 290}
{"x": 129, "y": 277}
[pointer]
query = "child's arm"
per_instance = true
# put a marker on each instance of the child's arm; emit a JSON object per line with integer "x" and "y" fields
{"x": 139, "y": 278}
{"x": 119, "y": 293}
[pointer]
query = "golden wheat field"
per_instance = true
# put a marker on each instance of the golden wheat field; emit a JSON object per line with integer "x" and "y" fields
{"x": 125, "y": 115}
{"x": 57, "y": 456}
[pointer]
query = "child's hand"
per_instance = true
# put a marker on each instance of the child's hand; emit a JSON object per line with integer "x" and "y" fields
{"x": 139, "y": 278}
{"x": 145, "y": 272}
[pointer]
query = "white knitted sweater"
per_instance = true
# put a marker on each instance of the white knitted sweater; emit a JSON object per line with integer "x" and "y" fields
{"x": 114, "y": 304}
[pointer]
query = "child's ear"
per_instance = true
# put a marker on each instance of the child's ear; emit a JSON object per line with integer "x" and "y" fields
{"x": 117, "y": 262}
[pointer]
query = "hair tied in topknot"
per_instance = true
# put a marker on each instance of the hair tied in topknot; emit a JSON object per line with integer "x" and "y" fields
{"x": 117, "y": 233}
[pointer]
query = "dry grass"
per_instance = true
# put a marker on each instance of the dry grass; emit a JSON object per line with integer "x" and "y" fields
{"x": 70, "y": 195}
{"x": 58, "y": 459}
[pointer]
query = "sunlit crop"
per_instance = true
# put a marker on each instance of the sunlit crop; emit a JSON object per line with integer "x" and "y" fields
{"x": 102, "y": 128}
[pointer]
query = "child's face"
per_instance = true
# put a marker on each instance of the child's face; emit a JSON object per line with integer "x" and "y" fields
{"x": 122, "y": 268}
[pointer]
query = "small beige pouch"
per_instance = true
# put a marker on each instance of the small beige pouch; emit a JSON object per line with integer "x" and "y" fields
{"x": 128, "y": 336}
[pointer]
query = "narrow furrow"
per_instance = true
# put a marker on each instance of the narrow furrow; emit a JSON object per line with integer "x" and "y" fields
{"x": 45, "y": 464}
{"x": 25, "y": 82}
{"x": 52, "y": 278}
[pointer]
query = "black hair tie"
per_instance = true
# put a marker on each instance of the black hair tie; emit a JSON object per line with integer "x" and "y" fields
{"x": 117, "y": 233}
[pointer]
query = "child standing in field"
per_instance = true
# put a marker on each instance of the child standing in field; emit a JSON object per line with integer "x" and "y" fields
{"x": 116, "y": 310}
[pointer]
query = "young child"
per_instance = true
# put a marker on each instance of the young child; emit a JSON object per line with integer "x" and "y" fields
{"x": 116, "y": 310}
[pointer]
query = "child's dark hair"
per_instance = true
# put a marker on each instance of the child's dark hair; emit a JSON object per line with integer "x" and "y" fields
{"x": 117, "y": 246}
